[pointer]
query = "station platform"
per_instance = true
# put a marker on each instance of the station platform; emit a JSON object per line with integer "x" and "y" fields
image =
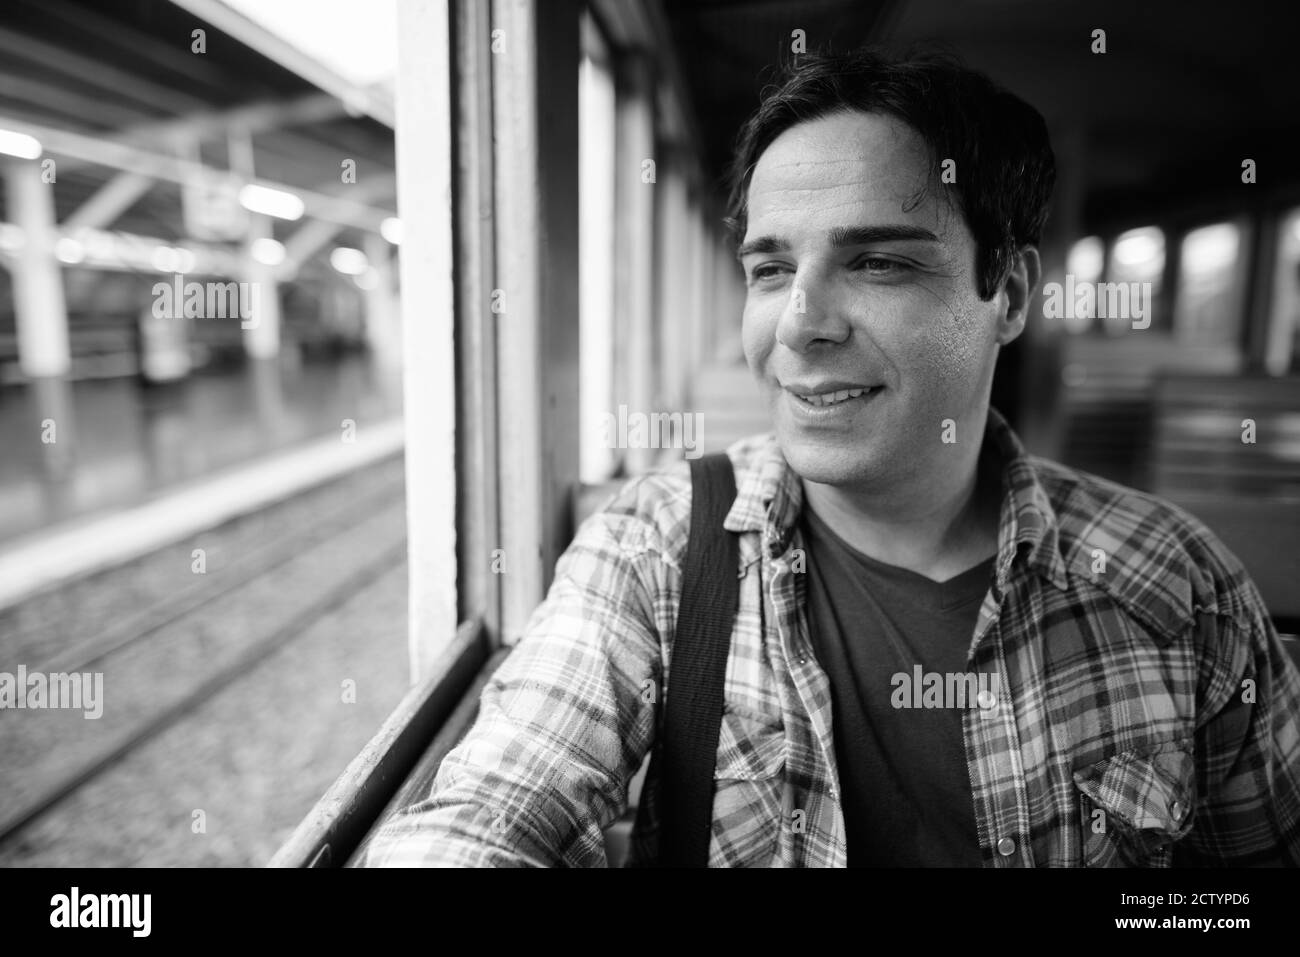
{"x": 117, "y": 444}
{"x": 132, "y": 469}
{"x": 230, "y": 698}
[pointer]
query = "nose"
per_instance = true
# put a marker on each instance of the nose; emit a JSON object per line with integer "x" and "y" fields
{"x": 812, "y": 314}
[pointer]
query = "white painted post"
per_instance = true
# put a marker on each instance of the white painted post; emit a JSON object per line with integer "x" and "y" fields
{"x": 383, "y": 334}
{"x": 674, "y": 266}
{"x": 700, "y": 278}
{"x": 596, "y": 207}
{"x": 535, "y": 112}
{"x": 634, "y": 242}
{"x": 39, "y": 308}
{"x": 424, "y": 165}
{"x": 262, "y": 334}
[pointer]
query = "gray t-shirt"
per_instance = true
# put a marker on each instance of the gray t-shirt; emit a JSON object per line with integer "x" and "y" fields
{"x": 904, "y": 783}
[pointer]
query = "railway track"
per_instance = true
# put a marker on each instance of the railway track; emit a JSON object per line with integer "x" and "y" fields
{"x": 204, "y": 590}
{"x": 357, "y": 546}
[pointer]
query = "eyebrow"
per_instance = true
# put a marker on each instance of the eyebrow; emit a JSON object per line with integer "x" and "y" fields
{"x": 844, "y": 236}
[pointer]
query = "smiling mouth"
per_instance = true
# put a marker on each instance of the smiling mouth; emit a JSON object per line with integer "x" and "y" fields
{"x": 834, "y": 398}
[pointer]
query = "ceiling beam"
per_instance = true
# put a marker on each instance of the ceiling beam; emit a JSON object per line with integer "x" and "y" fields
{"x": 191, "y": 114}
{"x": 49, "y": 99}
{"x": 642, "y": 25}
{"x": 82, "y": 69}
{"x": 313, "y": 236}
{"x": 130, "y": 158}
{"x": 109, "y": 202}
{"x": 115, "y": 32}
{"x": 249, "y": 118}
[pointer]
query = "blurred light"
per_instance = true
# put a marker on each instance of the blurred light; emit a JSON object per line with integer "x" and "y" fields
{"x": 269, "y": 252}
{"x": 272, "y": 202}
{"x": 165, "y": 259}
{"x": 1210, "y": 248}
{"x": 19, "y": 144}
{"x": 185, "y": 260}
{"x": 12, "y": 238}
{"x": 69, "y": 250}
{"x": 1086, "y": 259}
{"x": 350, "y": 262}
{"x": 1137, "y": 247}
{"x": 99, "y": 245}
{"x": 368, "y": 279}
{"x": 391, "y": 230}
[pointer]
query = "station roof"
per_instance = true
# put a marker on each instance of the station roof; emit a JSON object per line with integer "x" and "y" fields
{"x": 1186, "y": 90}
{"x": 120, "y": 82}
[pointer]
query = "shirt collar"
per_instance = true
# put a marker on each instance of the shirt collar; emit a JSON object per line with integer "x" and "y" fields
{"x": 770, "y": 498}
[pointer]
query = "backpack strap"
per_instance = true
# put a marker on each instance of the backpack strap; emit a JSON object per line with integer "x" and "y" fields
{"x": 693, "y": 704}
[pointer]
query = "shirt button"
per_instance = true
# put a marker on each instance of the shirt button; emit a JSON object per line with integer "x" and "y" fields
{"x": 1006, "y": 847}
{"x": 986, "y": 700}
{"x": 1176, "y": 809}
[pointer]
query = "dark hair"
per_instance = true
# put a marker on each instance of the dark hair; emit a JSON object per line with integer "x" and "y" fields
{"x": 1005, "y": 167}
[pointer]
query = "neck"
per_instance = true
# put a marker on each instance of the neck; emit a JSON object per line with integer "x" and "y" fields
{"x": 938, "y": 526}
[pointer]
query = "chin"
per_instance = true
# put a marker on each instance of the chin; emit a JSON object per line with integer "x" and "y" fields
{"x": 826, "y": 462}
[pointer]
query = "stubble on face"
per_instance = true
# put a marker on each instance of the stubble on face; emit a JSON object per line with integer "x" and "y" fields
{"x": 920, "y": 331}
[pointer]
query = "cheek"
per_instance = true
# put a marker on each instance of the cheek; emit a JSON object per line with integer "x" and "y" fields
{"x": 958, "y": 348}
{"x": 757, "y": 333}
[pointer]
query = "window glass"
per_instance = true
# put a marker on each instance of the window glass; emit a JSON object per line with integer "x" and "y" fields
{"x": 1133, "y": 278}
{"x": 1209, "y": 302}
{"x": 1283, "y": 353}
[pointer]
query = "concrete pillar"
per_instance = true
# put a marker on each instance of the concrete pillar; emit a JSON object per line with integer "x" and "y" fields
{"x": 634, "y": 242}
{"x": 596, "y": 169}
{"x": 424, "y": 175}
{"x": 535, "y": 115}
{"x": 262, "y": 329}
{"x": 383, "y": 333}
{"x": 674, "y": 282}
{"x": 40, "y": 311}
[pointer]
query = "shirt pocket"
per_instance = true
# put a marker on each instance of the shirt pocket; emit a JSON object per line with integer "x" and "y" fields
{"x": 1135, "y": 805}
{"x": 748, "y": 779}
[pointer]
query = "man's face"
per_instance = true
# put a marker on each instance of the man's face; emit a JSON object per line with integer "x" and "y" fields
{"x": 854, "y": 285}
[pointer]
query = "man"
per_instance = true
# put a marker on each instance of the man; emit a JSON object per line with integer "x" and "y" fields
{"x": 946, "y": 652}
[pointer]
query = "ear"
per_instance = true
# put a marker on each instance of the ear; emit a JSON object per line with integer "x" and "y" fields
{"x": 1018, "y": 289}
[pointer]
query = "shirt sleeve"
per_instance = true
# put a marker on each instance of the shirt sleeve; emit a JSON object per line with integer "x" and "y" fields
{"x": 563, "y": 724}
{"x": 1248, "y": 767}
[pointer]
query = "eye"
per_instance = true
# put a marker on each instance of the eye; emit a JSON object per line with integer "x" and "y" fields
{"x": 879, "y": 265}
{"x": 766, "y": 272}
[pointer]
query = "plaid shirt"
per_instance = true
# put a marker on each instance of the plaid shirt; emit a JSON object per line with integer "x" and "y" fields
{"x": 1147, "y": 713}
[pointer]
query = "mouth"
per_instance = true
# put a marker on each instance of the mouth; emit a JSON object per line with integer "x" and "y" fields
{"x": 834, "y": 397}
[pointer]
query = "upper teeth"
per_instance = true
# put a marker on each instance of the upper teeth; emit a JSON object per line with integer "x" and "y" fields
{"x": 830, "y": 398}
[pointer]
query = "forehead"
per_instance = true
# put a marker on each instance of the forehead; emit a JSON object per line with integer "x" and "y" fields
{"x": 846, "y": 169}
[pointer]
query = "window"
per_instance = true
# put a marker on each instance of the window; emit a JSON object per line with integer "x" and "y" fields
{"x": 1283, "y": 350}
{"x": 1084, "y": 262}
{"x": 1137, "y": 260}
{"x": 1211, "y": 287}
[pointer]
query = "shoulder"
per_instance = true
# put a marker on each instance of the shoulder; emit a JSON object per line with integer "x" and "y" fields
{"x": 652, "y": 512}
{"x": 1155, "y": 558}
